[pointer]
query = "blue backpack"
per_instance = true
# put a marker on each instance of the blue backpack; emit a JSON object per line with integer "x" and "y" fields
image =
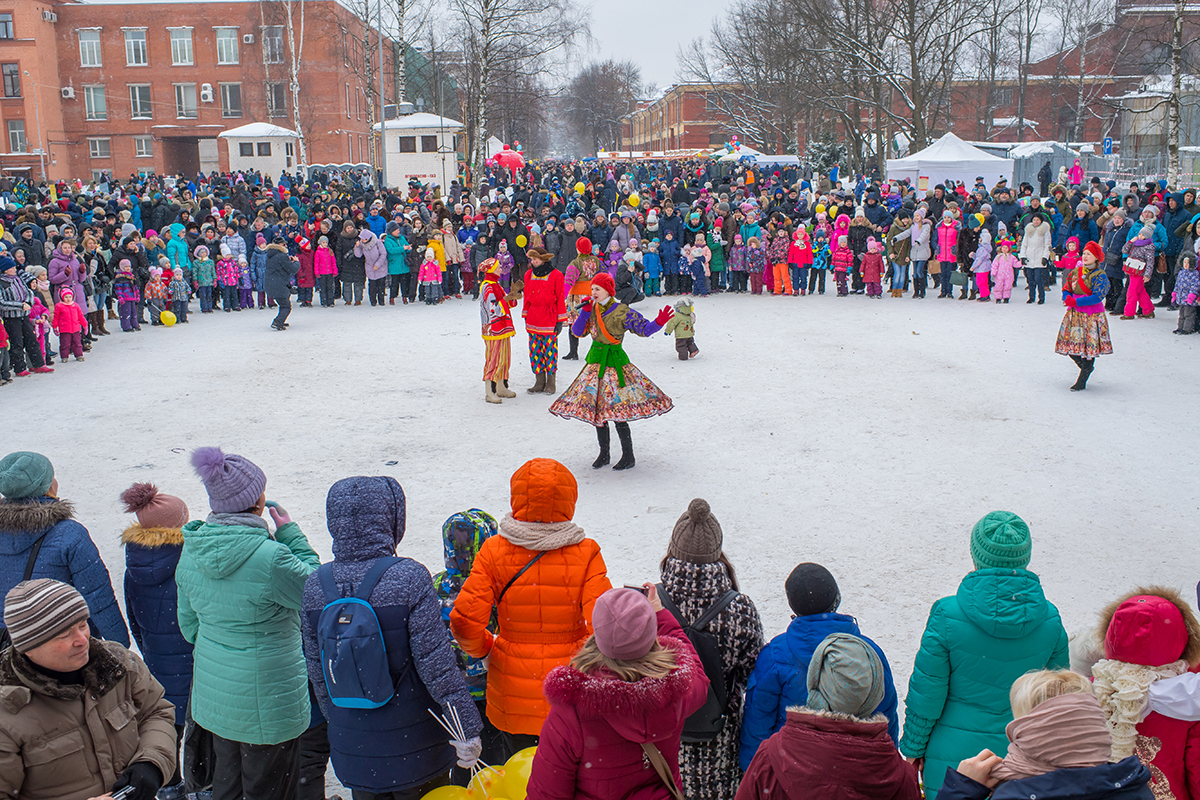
{"x": 354, "y": 657}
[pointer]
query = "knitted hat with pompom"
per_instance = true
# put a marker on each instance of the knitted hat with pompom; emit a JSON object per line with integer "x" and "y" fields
{"x": 153, "y": 508}
{"x": 697, "y": 535}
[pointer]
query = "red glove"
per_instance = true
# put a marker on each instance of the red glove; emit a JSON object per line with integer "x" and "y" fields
{"x": 665, "y": 315}
{"x": 1069, "y": 302}
{"x": 587, "y": 306}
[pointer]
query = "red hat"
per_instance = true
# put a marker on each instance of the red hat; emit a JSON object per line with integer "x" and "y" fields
{"x": 605, "y": 282}
{"x": 1146, "y": 629}
{"x": 1094, "y": 249}
{"x": 583, "y": 245}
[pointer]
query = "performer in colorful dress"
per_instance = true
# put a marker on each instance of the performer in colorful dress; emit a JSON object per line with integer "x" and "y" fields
{"x": 1083, "y": 334}
{"x": 495, "y": 313}
{"x": 578, "y": 286}
{"x": 544, "y": 309}
{"x": 610, "y": 388}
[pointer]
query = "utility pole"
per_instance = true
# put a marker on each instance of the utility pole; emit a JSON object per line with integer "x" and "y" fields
{"x": 382, "y": 113}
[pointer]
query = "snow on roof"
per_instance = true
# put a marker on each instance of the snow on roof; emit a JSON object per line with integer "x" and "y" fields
{"x": 1160, "y": 86}
{"x": 257, "y": 130}
{"x": 1008, "y": 122}
{"x": 1026, "y": 149}
{"x": 948, "y": 149}
{"x": 422, "y": 119}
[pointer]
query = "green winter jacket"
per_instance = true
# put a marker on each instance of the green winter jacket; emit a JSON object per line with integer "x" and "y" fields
{"x": 995, "y": 629}
{"x": 683, "y": 325}
{"x": 718, "y": 253}
{"x": 396, "y": 262}
{"x": 239, "y": 603}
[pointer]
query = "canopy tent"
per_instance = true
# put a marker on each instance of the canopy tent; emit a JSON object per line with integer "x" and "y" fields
{"x": 779, "y": 160}
{"x": 949, "y": 159}
{"x": 742, "y": 152}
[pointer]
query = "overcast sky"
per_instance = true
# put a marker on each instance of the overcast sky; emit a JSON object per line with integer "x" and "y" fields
{"x": 650, "y": 32}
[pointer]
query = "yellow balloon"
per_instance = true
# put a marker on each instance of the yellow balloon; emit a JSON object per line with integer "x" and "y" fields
{"x": 167, "y": 318}
{"x": 516, "y": 774}
{"x": 522, "y": 241}
{"x": 634, "y": 200}
{"x": 579, "y": 188}
{"x": 820, "y": 208}
{"x": 447, "y": 793}
{"x": 486, "y": 783}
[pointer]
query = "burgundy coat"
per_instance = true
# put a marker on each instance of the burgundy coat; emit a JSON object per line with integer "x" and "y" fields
{"x": 822, "y": 756}
{"x": 591, "y": 742}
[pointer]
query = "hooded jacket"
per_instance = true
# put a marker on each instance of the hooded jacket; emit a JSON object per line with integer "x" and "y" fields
{"x": 373, "y": 254}
{"x": 351, "y": 266}
{"x": 399, "y": 745}
{"x": 820, "y": 755}
{"x": 997, "y": 627}
{"x": 239, "y": 603}
{"x": 68, "y": 554}
{"x": 177, "y": 248}
{"x": 1124, "y": 780}
{"x": 279, "y": 272}
{"x": 591, "y": 743}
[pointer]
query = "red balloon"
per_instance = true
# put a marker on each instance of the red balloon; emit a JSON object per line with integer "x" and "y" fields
{"x": 510, "y": 159}
{"x": 505, "y": 147}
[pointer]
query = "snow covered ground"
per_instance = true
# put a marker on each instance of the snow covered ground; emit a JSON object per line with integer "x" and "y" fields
{"x": 868, "y": 435}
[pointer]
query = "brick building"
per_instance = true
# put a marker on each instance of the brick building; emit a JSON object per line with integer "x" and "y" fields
{"x": 684, "y": 117}
{"x": 30, "y": 106}
{"x": 129, "y": 87}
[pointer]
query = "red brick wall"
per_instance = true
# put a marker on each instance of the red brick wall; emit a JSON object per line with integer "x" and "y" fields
{"x": 29, "y": 51}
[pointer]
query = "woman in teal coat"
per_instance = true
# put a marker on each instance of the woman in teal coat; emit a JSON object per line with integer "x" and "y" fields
{"x": 997, "y": 627}
{"x": 240, "y": 590}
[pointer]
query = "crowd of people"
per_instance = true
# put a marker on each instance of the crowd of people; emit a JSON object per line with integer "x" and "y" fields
{"x": 130, "y": 251}
{"x": 263, "y": 665}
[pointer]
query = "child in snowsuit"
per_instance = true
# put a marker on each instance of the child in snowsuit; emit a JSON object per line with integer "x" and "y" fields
{"x": 1186, "y": 293}
{"x": 227, "y": 278}
{"x": 245, "y": 283}
{"x": 683, "y": 325}
{"x": 178, "y": 292}
{"x": 39, "y": 315}
{"x": 843, "y": 260}
{"x": 1004, "y": 271}
{"x": 430, "y": 276}
{"x": 737, "y": 265}
{"x": 1070, "y": 259}
{"x": 70, "y": 325}
{"x": 258, "y": 271}
{"x": 756, "y": 263}
{"x": 125, "y": 289}
{"x": 981, "y": 265}
{"x": 652, "y": 264}
{"x": 777, "y": 255}
{"x": 204, "y": 273}
{"x": 1139, "y": 268}
{"x": 799, "y": 259}
{"x": 821, "y": 259}
{"x": 872, "y": 268}
{"x": 699, "y": 261}
{"x": 155, "y": 295}
{"x": 325, "y": 267}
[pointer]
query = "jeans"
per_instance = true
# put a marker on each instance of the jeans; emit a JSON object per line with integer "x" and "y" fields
{"x": 375, "y": 290}
{"x": 285, "y": 308}
{"x": 1036, "y": 278}
{"x": 179, "y": 308}
{"x": 206, "y": 304}
{"x": 798, "y": 277}
{"x": 304, "y": 294}
{"x": 326, "y": 285}
{"x": 918, "y": 272}
{"x": 899, "y": 276}
{"x": 450, "y": 280}
{"x": 352, "y": 290}
{"x": 229, "y": 298}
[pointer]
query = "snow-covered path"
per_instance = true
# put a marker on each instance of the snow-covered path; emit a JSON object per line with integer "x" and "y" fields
{"x": 868, "y": 435}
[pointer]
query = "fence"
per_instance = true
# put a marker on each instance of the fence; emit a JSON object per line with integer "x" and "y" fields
{"x": 1125, "y": 170}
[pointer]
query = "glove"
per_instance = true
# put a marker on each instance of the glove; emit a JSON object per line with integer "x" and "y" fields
{"x": 1191, "y": 299}
{"x": 145, "y": 779}
{"x": 1069, "y": 301}
{"x": 1174, "y": 297}
{"x": 665, "y": 315}
{"x": 557, "y": 328}
{"x": 468, "y": 752}
{"x": 280, "y": 515}
{"x": 587, "y": 306}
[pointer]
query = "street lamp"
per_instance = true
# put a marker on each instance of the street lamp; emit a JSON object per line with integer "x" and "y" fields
{"x": 37, "y": 111}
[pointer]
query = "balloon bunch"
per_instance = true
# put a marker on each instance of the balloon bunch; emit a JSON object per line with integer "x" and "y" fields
{"x": 510, "y": 782}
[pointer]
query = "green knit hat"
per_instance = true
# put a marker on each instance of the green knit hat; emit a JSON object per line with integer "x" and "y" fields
{"x": 24, "y": 474}
{"x": 1001, "y": 540}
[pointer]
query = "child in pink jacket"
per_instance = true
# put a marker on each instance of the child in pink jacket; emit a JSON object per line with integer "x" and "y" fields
{"x": 946, "y": 252}
{"x": 325, "y": 268}
{"x": 1004, "y": 271}
{"x": 70, "y": 324}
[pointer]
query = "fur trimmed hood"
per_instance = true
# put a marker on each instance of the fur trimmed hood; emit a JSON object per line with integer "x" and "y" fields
{"x": 1191, "y": 653}
{"x": 640, "y": 712}
{"x": 34, "y": 516}
{"x": 874, "y": 719}
{"x": 19, "y": 680}
{"x": 152, "y": 537}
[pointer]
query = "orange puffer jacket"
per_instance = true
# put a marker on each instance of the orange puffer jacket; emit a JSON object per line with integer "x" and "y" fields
{"x": 543, "y": 620}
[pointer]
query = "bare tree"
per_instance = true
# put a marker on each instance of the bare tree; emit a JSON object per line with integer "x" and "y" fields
{"x": 596, "y": 99}
{"x": 1027, "y": 18}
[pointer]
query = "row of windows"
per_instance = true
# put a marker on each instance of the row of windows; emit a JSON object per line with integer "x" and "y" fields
{"x": 408, "y": 144}
{"x": 182, "y": 53}
{"x": 95, "y": 101}
{"x": 143, "y": 147}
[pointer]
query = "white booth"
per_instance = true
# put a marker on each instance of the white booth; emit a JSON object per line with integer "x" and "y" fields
{"x": 268, "y": 148}
{"x": 949, "y": 158}
{"x": 421, "y": 146}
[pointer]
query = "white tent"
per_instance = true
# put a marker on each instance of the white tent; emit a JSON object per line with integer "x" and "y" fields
{"x": 745, "y": 151}
{"x": 949, "y": 158}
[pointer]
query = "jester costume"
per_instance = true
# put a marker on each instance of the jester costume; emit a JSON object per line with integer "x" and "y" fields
{"x": 496, "y": 316}
{"x": 1083, "y": 335}
{"x": 609, "y": 387}
{"x": 544, "y": 310}
{"x": 578, "y": 286}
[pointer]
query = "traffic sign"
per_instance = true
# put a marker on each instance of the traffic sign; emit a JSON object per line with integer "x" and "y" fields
{"x": 1108, "y": 145}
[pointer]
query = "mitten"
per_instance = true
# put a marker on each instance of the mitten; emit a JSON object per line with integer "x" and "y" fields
{"x": 587, "y": 306}
{"x": 143, "y": 777}
{"x": 1069, "y": 301}
{"x": 1174, "y": 297}
{"x": 1191, "y": 299}
{"x": 665, "y": 315}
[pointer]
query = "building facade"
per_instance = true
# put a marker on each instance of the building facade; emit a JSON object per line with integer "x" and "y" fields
{"x": 686, "y": 116}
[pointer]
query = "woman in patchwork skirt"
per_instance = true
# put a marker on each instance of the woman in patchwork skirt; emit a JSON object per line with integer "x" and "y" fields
{"x": 1083, "y": 334}
{"x": 610, "y": 388}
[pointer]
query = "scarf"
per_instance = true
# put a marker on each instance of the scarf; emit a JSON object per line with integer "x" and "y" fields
{"x": 1122, "y": 690}
{"x": 1064, "y": 732}
{"x": 238, "y": 518}
{"x": 43, "y": 284}
{"x": 540, "y": 535}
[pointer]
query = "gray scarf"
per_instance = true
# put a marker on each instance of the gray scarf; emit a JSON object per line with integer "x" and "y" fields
{"x": 238, "y": 518}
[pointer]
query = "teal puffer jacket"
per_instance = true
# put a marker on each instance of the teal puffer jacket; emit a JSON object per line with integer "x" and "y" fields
{"x": 996, "y": 628}
{"x": 239, "y": 603}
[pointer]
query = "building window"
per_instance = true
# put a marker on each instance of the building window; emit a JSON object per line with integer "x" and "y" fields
{"x": 429, "y": 144}
{"x": 98, "y": 148}
{"x": 264, "y": 148}
{"x": 139, "y": 101}
{"x": 143, "y": 147}
{"x": 246, "y": 149}
{"x": 272, "y": 36}
{"x": 227, "y": 46}
{"x": 231, "y": 100}
{"x": 93, "y": 102}
{"x": 288, "y": 153}
{"x": 276, "y": 100}
{"x": 6, "y": 28}
{"x": 16, "y": 136}
{"x": 1003, "y": 97}
{"x": 135, "y": 48}
{"x": 181, "y": 47}
{"x": 408, "y": 144}
{"x": 12, "y": 80}
{"x": 347, "y": 101}
{"x": 185, "y": 100}
{"x": 89, "y": 48}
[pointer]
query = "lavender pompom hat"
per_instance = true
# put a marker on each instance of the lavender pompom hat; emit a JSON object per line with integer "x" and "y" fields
{"x": 233, "y": 483}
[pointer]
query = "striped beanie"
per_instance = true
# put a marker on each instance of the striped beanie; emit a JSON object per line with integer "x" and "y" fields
{"x": 37, "y": 611}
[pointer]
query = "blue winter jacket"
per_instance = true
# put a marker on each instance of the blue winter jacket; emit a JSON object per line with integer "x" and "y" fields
{"x": 68, "y": 554}
{"x": 152, "y": 602}
{"x": 1125, "y": 780}
{"x": 780, "y": 679}
{"x": 397, "y": 746}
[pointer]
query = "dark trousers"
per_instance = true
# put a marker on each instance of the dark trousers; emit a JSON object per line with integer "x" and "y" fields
{"x": 375, "y": 291}
{"x": 468, "y": 282}
{"x": 685, "y": 346}
{"x": 128, "y": 312}
{"x": 415, "y": 793}
{"x": 205, "y": 293}
{"x": 513, "y": 743}
{"x": 399, "y": 286}
{"x": 5, "y": 364}
{"x": 327, "y": 285}
{"x": 450, "y": 280}
{"x": 304, "y": 295}
{"x": 285, "y": 308}
{"x": 229, "y": 298}
{"x": 70, "y": 344}
{"x": 1187, "y": 319}
{"x": 314, "y": 759}
{"x": 255, "y": 771}
{"x": 179, "y": 308}
{"x": 816, "y": 277}
{"x": 1116, "y": 290}
{"x": 1036, "y": 278}
{"x": 22, "y": 343}
{"x": 670, "y": 283}
{"x": 352, "y": 290}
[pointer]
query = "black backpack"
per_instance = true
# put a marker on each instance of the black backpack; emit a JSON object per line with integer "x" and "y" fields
{"x": 709, "y": 721}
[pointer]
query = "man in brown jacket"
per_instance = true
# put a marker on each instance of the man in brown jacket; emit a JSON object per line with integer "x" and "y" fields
{"x": 79, "y": 717}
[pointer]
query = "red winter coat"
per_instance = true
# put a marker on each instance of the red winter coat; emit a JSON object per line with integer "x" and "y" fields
{"x": 821, "y": 756}
{"x": 324, "y": 262}
{"x": 591, "y": 743}
{"x": 545, "y": 304}
{"x": 872, "y": 268}
{"x": 68, "y": 318}
{"x": 306, "y": 277}
{"x": 947, "y": 239}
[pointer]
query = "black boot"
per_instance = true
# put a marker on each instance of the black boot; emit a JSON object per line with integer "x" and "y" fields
{"x": 602, "y": 437}
{"x": 626, "y": 438}
{"x": 1086, "y": 365}
{"x": 574, "y": 354}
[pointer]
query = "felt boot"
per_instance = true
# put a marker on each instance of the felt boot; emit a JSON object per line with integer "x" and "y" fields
{"x": 490, "y": 392}
{"x": 539, "y": 385}
{"x": 503, "y": 390}
{"x": 550, "y": 387}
